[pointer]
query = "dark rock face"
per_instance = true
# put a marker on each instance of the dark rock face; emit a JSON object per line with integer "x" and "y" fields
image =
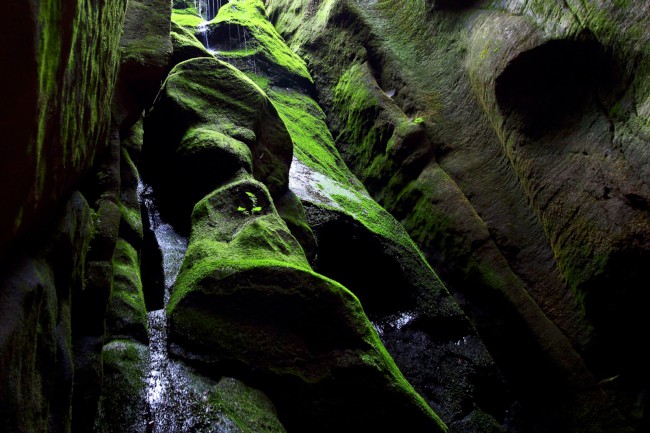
{"x": 527, "y": 189}
{"x": 36, "y": 354}
{"x": 49, "y": 140}
{"x": 146, "y": 49}
{"x": 56, "y": 111}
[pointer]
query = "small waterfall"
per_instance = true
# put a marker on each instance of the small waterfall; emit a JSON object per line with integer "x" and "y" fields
{"x": 207, "y": 11}
{"x": 203, "y": 29}
{"x": 162, "y": 388}
{"x": 172, "y": 245}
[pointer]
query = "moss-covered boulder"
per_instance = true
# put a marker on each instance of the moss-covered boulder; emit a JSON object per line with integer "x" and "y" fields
{"x": 209, "y": 122}
{"x": 123, "y": 405}
{"x": 247, "y": 301}
{"x": 146, "y": 50}
{"x": 127, "y": 314}
{"x": 185, "y": 45}
{"x": 242, "y": 35}
{"x": 187, "y": 18}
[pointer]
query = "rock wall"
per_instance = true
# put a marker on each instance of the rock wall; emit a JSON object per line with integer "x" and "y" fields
{"x": 328, "y": 161}
{"x": 59, "y": 65}
{"x": 524, "y": 182}
{"x": 56, "y": 105}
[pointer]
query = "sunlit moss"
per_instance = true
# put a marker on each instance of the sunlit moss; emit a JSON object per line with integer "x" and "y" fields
{"x": 313, "y": 142}
{"x": 187, "y": 17}
{"x": 247, "y": 20}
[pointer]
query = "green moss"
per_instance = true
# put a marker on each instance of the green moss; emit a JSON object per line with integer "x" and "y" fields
{"x": 247, "y": 19}
{"x": 127, "y": 315}
{"x": 212, "y": 95}
{"x": 314, "y": 147}
{"x": 187, "y": 17}
{"x": 132, "y": 218}
{"x": 235, "y": 54}
{"x": 581, "y": 263}
{"x": 49, "y": 56}
{"x": 199, "y": 140}
{"x": 249, "y": 408}
{"x": 91, "y": 70}
{"x": 262, "y": 81}
{"x": 123, "y": 393}
{"x": 426, "y": 223}
{"x": 313, "y": 142}
{"x": 302, "y": 26}
{"x": 185, "y": 45}
{"x": 376, "y": 136}
{"x": 223, "y": 237}
{"x": 200, "y": 85}
{"x": 128, "y": 359}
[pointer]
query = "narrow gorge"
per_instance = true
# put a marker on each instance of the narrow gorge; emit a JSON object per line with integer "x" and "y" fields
{"x": 254, "y": 216}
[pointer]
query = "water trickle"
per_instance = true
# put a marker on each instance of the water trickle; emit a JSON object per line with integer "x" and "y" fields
{"x": 203, "y": 29}
{"x": 172, "y": 245}
{"x": 162, "y": 381}
{"x": 394, "y": 322}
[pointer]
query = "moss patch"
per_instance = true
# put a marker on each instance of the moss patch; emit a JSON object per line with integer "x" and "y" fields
{"x": 185, "y": 45}
{"x": 122, "y": 406}
{"x": 249, "y": 408}
{"x": 207, "y": 115}
{"x": 127, "y": 314}
{"x": 247, "y": 296}
{"x": 242, "y": 29}
{"x": 188, "y": 18}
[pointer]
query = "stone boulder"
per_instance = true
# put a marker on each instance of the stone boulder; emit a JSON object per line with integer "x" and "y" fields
{"x": 185, "y": 45}
{"x": 146, "y": 50}
{"x": 209, "y": 122}
{"x": 242, "y": 35}
{"x": 247, "y": 302}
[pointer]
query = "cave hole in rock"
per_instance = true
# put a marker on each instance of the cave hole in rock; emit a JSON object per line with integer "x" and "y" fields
{"x": 616, "y": 303}
{"x": 453, "y": 5}
{"x": 547, "y": 88}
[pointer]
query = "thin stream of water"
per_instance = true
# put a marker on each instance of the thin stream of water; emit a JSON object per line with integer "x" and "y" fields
{"x": 160, "y": 380}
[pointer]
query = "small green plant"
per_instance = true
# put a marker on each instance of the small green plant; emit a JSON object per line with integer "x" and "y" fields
{"x": 254, "y": 208}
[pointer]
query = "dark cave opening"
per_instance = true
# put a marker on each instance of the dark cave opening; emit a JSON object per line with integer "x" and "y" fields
{"x": 454, "y": 5}
{"x": 548, "y": 87}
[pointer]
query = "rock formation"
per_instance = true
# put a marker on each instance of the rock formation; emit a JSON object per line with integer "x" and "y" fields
{"x": 319, "y": 215}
